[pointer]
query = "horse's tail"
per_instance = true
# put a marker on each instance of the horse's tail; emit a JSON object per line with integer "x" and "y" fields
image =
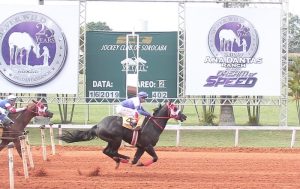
{"x": 77, "y": 136}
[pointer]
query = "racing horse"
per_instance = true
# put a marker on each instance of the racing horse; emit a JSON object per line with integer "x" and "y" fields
{"x": 110, "y": 129}
{"x": 21, "y": 120}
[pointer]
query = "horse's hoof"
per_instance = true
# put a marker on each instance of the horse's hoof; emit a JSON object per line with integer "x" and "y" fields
{"x": 117, "y": 165}
{"x": 140, "y": 164}
{"x": 117, "y": 159}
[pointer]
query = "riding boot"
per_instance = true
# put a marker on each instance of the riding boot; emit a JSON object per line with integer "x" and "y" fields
{"x": 133, "y": 123}
{"x": 11, "y": 124}
{"x": 6, "y": 121}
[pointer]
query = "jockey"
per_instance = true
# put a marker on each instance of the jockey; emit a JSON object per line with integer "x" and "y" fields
{"x": 132, "y": 107}
{"x": 8, "y": 106}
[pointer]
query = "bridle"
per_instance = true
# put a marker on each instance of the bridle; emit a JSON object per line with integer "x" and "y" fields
{"x": 172, "y": 113}
{"x": 39, "y": 109}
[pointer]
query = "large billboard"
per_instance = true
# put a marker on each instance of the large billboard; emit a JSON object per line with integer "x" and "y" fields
{"x": 232, "y": 51}
{"x": 39, "y": 47}
{"x": 110, "y": 67}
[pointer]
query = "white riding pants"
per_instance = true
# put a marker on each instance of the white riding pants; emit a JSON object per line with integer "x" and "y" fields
{"x": 123, "y": 111}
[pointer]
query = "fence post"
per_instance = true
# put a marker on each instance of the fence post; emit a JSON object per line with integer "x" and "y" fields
{"x": 24, "y": 156}
{"x": 293, "y": 138}
{"x": 28, "y": 147}
{"x": 10, "y": 147}
{"x": 43, "y": 142}
{"x": 178, "y": 134}
{"x": 52, "y": 139}
{"x": 236, "y": 140}
{"x": 59, "y": 134}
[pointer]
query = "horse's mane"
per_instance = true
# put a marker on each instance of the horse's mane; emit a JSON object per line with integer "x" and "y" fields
{"x": 157, "y": 109}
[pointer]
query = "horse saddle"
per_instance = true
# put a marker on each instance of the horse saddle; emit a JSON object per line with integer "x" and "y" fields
{"x": 126, "y": 122}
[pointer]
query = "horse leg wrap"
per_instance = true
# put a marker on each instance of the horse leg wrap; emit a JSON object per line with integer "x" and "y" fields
{"x": 149, "y": 162}
{"x": 124, "y": 160}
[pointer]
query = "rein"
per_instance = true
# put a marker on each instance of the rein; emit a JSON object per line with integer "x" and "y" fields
{"x": 156, "y": 124}
{"x": 35, "y": 111}
{"x": 22, "y": 112}
{"x": 19, "y": 115}
{"x": 161, "y": 117}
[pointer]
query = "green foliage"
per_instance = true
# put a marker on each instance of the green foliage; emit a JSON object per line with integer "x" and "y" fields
{"x": 294, "y": 32}
{"x": 91, "y": 26}
{"x": 253, "y": 121}
{"x": 294, "y": 77}
{"x": 209, "y": 118}
{"x": 294, "y": 83}
{"x": 254, "y": 111}
{"x": 97, "y": 26}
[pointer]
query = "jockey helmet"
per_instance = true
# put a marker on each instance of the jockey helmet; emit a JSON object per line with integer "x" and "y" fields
{"x": 142, "y": 94}
{"x": 12, "y": 98}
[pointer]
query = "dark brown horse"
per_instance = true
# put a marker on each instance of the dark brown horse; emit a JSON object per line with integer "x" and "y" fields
{"x": 110, "y": 129}
{"x": 21, "y": 120}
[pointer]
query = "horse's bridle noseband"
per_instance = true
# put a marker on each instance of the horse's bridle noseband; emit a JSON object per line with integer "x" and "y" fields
{"x": 170, "y": 108}
{"x": 35, "y": 110}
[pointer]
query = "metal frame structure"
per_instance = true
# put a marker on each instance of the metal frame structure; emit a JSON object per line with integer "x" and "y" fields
{"x": 182, "y": 99}
{"x": 181, "y": 50}
{"x": 284, "y": 64}
{"x": 82, "y": 25}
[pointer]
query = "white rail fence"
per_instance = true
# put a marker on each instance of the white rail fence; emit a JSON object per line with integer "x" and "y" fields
{"x": 179, "y": 128}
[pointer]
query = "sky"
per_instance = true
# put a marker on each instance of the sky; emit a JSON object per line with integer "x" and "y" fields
{"x": 133, "y": 16}
{"x": 157, "y": 16}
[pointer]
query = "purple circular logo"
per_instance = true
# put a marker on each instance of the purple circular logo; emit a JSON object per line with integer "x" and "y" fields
{"x": 33, "y": 49}
{"x": 233, "y": 36}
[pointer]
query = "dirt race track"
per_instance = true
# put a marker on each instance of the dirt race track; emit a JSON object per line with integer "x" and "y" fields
{"x": 177, "y": 168}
